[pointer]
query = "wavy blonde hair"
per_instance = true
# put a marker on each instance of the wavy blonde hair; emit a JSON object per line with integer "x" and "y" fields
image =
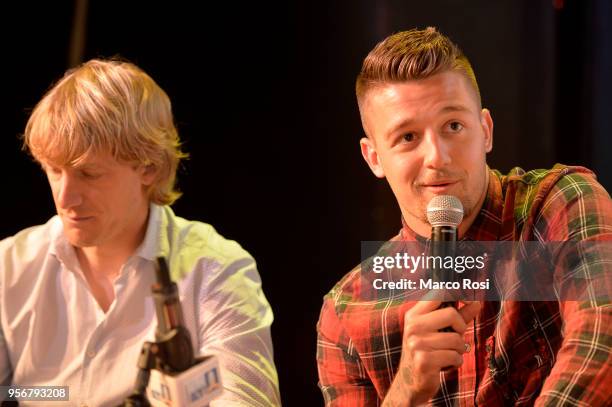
{"x": 108, "y": 106}
{"x": 412, "y": 55}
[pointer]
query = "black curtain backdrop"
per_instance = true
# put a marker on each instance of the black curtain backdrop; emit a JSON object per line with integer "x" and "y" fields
{"x": 263, "y": 99}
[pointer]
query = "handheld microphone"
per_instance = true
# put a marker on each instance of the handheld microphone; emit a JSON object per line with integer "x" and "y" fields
{"x": 444, "y": 214}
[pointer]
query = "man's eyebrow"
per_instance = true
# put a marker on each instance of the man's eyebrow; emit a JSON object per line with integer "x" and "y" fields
{"x": 401, "y": 124}
{"x": 408, "y": 121}
{"x": 454, "y": 108}
{"x": 88, "y": 167}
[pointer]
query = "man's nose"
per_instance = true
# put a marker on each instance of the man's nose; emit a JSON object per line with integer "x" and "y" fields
{"x": 436, "y": 150}
{"x": 68, "y": 191}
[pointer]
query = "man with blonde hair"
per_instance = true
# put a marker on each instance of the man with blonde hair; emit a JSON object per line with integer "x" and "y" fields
{"x": 75, "y": 293}
{"x": 428, "y": 135}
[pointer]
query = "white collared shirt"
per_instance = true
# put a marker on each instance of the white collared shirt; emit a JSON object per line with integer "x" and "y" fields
{"x": 53, "y": 332}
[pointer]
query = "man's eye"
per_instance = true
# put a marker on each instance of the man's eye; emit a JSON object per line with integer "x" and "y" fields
{"x": 408, "y": 137}
{"x": 90, "y": 175}
{"x": 455, "y": 126}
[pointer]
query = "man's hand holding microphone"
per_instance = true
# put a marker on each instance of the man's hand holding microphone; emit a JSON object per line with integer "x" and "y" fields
{"x": 426, "y": 351}
{"x": 432, "y": 340}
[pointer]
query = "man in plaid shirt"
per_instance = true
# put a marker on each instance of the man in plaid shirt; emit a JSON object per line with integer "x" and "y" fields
{"x": 428, "y": 135}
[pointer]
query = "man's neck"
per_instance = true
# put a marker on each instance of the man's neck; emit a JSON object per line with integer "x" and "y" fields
{"x": 106, "y": 260}
{"x": 100, "y": 271}
{"x": 101, "y": 265}
{"x": 103, "y": 262}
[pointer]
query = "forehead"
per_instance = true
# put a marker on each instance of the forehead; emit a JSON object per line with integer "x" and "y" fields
{"x": 98, "y": 159}
{"x": 446, "y": 87}
{"x": 389, "y": 105}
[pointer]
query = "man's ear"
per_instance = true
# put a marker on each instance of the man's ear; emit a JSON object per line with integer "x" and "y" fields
{"x": 368, "y": 151}
{"x": 148, "y": 174}
{"x": 486, "y": 121}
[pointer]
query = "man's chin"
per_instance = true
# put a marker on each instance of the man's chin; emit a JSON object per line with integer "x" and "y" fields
{"x": 80, "y": 240}
{"x": 456, "y": 189}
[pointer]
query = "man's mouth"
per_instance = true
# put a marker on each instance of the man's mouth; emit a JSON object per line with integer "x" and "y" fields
{"x": 77, "y": 219}
{"x": 439, "y": 185}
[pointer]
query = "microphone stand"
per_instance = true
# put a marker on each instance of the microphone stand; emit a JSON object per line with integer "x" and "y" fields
{"x": 146, "y": 362}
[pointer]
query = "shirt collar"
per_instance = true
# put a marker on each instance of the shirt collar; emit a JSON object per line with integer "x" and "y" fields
{"x": 155, "y": 243}
{"x": 59, "y": 245}
{"x": 487, "y": 224}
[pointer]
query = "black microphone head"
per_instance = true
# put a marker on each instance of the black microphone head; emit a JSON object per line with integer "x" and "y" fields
{"x": 444, "y": 210}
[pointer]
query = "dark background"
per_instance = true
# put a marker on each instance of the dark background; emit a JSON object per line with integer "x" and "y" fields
{"x": 263, "y": 99}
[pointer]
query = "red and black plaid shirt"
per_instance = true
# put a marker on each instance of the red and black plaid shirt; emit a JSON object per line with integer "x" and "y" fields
{"x": 523, "y": 353}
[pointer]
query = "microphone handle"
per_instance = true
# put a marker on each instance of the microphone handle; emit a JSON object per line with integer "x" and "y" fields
{"x": 444, "y": 233}
{"x": 444, "y": 243}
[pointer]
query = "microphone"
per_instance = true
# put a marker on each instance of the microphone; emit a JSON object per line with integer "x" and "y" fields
{"x": 195, "y": 387}
{"x": 179, "y": 379}
{"x": 177, "y": 350}
{"x": 444, "y": 214}
{"x": 169, "y": 374}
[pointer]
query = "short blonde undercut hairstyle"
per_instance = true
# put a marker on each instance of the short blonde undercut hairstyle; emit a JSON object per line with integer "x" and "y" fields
{"x": 108, "y": 106}
{"x": 411, "y": 55}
